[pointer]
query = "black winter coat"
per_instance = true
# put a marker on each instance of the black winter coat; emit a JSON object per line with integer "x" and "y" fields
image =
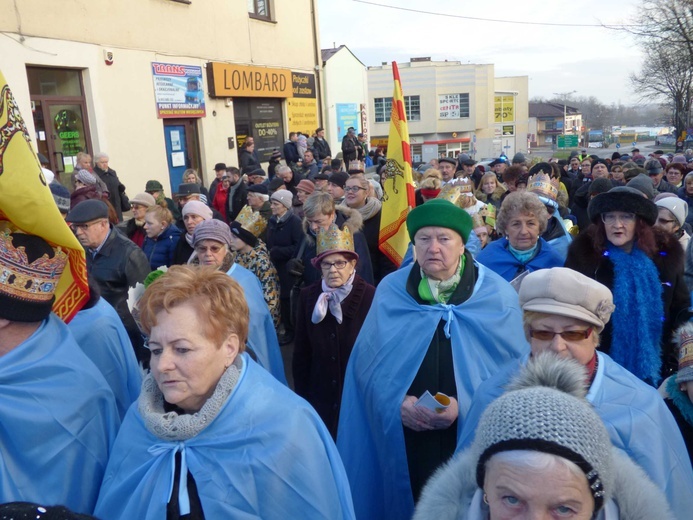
{"x": 235, "y": 202}
{"x": 381, "y": 264}
{"x": 322, "y": 350}
{"x": 115, "y": 188}
{"x": 283, "y": 240}
{"x": 586, "y": 259}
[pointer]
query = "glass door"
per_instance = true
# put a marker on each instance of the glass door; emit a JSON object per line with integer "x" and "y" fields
{"x": 66, "y": 133}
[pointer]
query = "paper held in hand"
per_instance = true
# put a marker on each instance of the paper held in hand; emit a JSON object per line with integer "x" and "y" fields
{"x": 437, "y": 403}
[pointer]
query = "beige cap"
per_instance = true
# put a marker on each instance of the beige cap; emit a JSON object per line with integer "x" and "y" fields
{"x": 565, "y": 292}
{"x": 144, "y": 199}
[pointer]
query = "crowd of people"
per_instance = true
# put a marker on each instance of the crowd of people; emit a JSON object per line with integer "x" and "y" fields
{"x": 537, "y": 330}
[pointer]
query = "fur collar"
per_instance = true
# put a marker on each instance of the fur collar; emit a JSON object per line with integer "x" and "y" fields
{"x": 449, "y": 492}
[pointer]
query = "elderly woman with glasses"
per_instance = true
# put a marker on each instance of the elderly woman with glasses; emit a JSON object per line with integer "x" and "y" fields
{"x": 564, "y": 313}
{"x": 211, "y": 243}
{"x": 330, "y": 315}
{"x": 213, "y": 435}
{"x": 643, "y": 267}
{"x": 521, "y": 220}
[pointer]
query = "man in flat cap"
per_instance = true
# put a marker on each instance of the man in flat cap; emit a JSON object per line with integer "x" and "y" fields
{"x": 447, "y": 167}
{"x": 114, "y": 261}
{"x": 443, "y": 324}
{"x": 58, "y": 415}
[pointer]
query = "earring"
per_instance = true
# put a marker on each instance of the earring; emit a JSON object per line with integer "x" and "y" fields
{"x": 485, "y": 499}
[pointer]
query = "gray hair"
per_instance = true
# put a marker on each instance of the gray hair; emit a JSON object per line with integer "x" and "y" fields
{"x": 101, "y": 155}
{"x": 319, "y": 203}
{"x": 534, "y": 461}
{"x": 282, "y": 168}
{"x": 522, "y": 203}
{"x": 261, "y": 196}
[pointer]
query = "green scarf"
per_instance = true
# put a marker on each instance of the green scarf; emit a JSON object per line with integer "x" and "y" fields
{"x": 433, "y": 291}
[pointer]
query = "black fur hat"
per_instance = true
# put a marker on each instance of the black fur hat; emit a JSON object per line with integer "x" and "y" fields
{"x": 623, "y": 198}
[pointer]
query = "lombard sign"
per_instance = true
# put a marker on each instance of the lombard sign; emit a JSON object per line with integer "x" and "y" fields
{"x": 229, "y": 80}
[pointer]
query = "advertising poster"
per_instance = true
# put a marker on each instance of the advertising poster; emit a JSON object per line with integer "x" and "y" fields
{"x": 178, "y": 90}
{"x": 347, "y": 116}
{"x": 302, "y": 109}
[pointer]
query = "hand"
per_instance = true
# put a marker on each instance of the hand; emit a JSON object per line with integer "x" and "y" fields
{"x": 412, "y": 417}
{"x": 422, "y": 419}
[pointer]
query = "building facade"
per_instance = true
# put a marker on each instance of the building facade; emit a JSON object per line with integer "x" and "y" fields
{"x": 345, "y": 91}
{"x": 162, "y": 85}
{"x": 549, "y": 120}
{"x": 451, "y": 108}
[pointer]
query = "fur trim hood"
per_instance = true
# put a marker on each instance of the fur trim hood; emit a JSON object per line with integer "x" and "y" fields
{"x": 448, "y": 494}
{"x": 345, "y": 216}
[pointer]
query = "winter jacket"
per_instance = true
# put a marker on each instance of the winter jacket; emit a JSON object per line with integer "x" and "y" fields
{"x": 450, "y": 493}
{"x": 291, "y": 153}
{"x": 381, "y": 264}
{"x": 133, "y": 231}
{"x": 344, "y": 216}
{"x": 321, "y": 148}
{"x": 235, "y": 202}
{"x": 586, "y": 259}
{"x": 322, "y": 350}
{"x": 160, "y": 250}
{"x": 85, "y": 193}
{"x": 116, "y": 190}
{"x": 247, "y": 161}
{"x": 283, "y": 239}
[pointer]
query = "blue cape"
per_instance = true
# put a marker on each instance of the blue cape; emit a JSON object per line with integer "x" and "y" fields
{"x": 58, "y": 421}
{"x": 265, "y": 455}
{"x": 262, "y": 336}
{"x": 499, "y": 259}
{"x": 100, "y": 334}
{"x": 636, "y": 418}
{"x": 486, "y": 332}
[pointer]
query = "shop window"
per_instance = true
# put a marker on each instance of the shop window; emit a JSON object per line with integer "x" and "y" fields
{"x": 260, "y": 9}
{"x": 54, "y": 82}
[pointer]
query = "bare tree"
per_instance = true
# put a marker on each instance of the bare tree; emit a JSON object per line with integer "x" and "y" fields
{"x": 667, "y": 74}
{"x": 664, "y": 30}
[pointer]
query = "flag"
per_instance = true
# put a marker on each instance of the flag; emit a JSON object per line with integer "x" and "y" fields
{"x": 398, "y": 183}
{"x": 27, "y": 205}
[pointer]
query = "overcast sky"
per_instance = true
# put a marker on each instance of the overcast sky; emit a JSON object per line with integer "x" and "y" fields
{"x": 594, "y": 61}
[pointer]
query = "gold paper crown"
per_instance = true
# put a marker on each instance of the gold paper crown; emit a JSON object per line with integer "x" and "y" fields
{"x": 31, "y": 282}
{"x": 489, "y": 214}
{"x": 251, "y": 221}
{"x": 542, "y": 184}
{"x": 355, "y": 166}
{"x": 334, "y": 239}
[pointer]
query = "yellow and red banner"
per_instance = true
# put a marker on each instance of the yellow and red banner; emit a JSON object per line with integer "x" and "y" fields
{"x": 398, "y": 183}
{"x": 27, "y": 205}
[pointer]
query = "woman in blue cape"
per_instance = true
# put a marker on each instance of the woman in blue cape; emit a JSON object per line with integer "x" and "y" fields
{"x": 565, "y": 312}
{"x": 521, "y": 220}
{"x": 212, "y": 241}
{"x": 444, "y": 324}
{"x": 213, "y": 435}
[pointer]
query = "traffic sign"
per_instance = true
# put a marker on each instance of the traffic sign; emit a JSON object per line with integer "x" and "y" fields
{"x": 618, "y": 145}
{"x": 635, "y": 143}
{"x": 567, "y": 141}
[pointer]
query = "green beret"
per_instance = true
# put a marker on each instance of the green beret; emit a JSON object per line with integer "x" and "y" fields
{"x": 439, "y": 213}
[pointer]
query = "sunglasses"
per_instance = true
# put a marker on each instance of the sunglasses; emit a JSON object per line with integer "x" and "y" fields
{"x": 567, "y": 335}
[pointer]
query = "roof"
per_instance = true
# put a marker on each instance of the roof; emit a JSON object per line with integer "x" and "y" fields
{"x": 328, "y": 53}
{"x": 544, "y": 109}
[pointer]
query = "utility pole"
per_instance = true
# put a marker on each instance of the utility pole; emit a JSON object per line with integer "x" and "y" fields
{"x": 564, "y": 95}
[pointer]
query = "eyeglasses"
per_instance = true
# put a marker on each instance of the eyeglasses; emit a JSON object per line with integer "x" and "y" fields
{"x": 83, "y": 227}
{"x": 212, "y": 249}
{"x": 567, "y": 335}
{"x": 339, "y": 264}
{"x": 612, "y": 218}
{"x": 354, "y": 189}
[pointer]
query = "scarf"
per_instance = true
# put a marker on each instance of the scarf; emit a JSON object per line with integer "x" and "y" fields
{"x": 370, "y": 208}
{"x": 680, "y": 400}
{"x": 433, "y": 291}
{"x": 523, "y": 256}
{"x": 171, "y": 426}
{"x": 332, "y": 298}
{"x": 637, "y": 322}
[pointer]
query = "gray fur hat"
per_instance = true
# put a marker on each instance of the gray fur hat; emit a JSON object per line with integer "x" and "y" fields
{"x": 545, "y": 410}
